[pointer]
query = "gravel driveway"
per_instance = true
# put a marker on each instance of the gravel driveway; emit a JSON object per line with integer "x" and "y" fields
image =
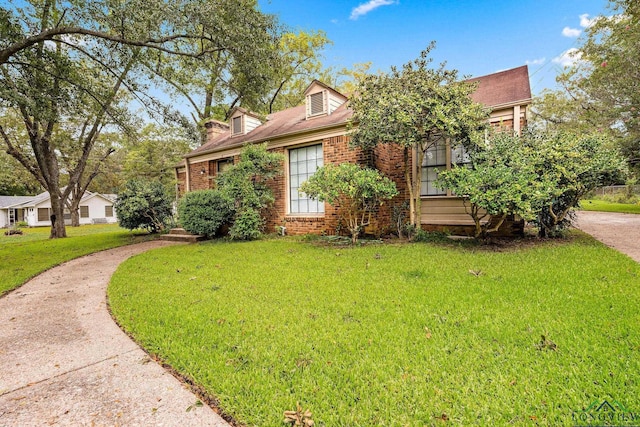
{"x": 617, "y": 230}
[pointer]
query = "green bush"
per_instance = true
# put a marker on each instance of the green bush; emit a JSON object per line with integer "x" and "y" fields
{"x": 205, "y": 212}
{"x": 248, "y": 225}
{"x": 144, "y": 204}
{"x": 247, "y": 184}
{"x": 357, "y": 191}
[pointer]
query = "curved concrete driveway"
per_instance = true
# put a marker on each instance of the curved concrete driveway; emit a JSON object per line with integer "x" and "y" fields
{"x": 63, "y": 361}
{"x": 617, "y": 230}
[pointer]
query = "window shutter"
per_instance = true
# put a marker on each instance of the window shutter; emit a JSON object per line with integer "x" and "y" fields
{"x": 237, "y": 125}
{"x": 43, "y": 214}
{"x": 108, "y": 211}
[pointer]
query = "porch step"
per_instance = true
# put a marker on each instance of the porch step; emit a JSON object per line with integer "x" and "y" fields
{"x": 181, "y": 235}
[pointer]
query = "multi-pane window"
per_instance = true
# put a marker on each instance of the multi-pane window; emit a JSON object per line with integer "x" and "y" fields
{"x": 108, "y": 211}
{"x": 84, "y": 211}
{"x": 223, "y": 165}
{"x": 435, "y": 158}
{"x": 459, "y": 156}
{"x": 303, "y": 163}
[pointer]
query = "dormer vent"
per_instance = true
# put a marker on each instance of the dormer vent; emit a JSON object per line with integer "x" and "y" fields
{"x": 243, "y": 121}
{"x": 316, "y": 103}
{"x": 236, "y": 125}
{"x": 321, "y": 100}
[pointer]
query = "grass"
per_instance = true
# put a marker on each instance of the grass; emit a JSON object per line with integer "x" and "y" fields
{"x": 606, "y": 206}
{"x": 391, "y": 335}
{"x": 24, "y": 256}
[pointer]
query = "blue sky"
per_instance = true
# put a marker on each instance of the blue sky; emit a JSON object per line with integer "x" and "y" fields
{"x": 476, "y": 37}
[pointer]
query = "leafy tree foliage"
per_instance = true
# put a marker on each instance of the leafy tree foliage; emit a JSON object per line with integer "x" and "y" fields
{"x": 241, "y": 73}
{"x": 568, "y": 167}
{"x": 415, "y": 107}
{"x": 152, "y": 153}
{"x": 144, "y": 204}
{"x": 502, "y": 180}
{"x": 357, "y": 191}
{"x": 297, "y": 64}
{"x": 205, "y": 212}
{"x": 600, "y": 92}
{"x": 246, "y": 185}
{"x": 72, "y": 62}
{"x": 14, "y": 179}
{"x": 540, "y": 176}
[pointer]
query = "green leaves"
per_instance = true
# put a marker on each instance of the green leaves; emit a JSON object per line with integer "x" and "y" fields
{"x": 245, "y": 184}
{"x": 414, "y": 107}
{"x": 539, "y": 176}
{"x": 144, "y": 205}
{"x": 358, "y": 191}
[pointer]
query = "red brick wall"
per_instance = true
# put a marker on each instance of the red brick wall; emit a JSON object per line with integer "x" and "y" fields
{"x": 182, "y": 180}
{"x": 389, "y": 160}
{"x": 336, "y": 150}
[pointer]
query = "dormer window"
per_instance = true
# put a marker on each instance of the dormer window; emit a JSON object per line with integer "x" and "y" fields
{"x": 316, "y": 103}
{"x": 236, "y": 125}
{"x": 321, "y": 100}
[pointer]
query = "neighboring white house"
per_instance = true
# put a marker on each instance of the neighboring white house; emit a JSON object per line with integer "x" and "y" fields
{"x": 95, "y": 208}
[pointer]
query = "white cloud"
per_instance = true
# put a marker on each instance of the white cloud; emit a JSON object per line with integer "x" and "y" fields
{"x": 367, "y": 7}
{"x": 571, "y": 32}
{"x": 538, "y": 61}
{"x": 585, "y": 21}
{"x": 568, "y": 58}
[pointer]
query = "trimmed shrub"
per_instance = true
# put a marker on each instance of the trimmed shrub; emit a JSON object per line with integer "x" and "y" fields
{"x": 144, "y": 204}
{"x": 248, "y": 225}
{"x": 205, "y": 212}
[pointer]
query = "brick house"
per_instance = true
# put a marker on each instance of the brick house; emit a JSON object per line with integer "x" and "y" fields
{"x": 315, "y": 134}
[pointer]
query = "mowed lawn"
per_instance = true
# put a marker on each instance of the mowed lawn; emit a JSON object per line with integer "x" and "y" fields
{"x": 24, "y": 256}
{"x": 605, "y": 206}
{"x": 393, "y": 335}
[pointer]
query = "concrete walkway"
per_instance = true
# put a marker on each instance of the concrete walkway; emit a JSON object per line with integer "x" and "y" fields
{"x": 617, "y": 230}
{"x": 63, "y": 361}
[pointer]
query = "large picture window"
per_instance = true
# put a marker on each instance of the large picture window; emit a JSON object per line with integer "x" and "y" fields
{"x": 303, "y": 163}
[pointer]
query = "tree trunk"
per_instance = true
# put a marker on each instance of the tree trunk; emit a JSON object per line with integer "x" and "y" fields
{"x": 407, "y": 177}
{"x": 58, "y": 229}
{"x": 75, "y": 216}
{"x": 416, "y": 179}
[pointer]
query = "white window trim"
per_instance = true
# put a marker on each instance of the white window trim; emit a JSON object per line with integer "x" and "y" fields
{"x": 325, "y": 106}
{"x": 233, "y": 130}
{"x": 287, "y": 172}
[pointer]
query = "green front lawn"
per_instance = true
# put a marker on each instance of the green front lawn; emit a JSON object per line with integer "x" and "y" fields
{"x": 604, "y": 206}
{"x": 24, "y": 256}
{"x": 391, "y": 335}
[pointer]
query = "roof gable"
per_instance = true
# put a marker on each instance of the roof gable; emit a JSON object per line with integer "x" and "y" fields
{"x": 504, "y": 87}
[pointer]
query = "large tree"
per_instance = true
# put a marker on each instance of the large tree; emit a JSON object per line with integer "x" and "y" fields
{"x": 415, "y": 107}
{"x": 213, "y": 83}
{"x": 601, "y": 92}
{"x": 55, "y": 54}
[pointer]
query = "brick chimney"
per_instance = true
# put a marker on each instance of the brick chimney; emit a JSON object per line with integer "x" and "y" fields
{"x": 215, "y": 128}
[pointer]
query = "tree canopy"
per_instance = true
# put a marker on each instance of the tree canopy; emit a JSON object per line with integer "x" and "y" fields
{"x": 68, "y": 68}
{"x": 415, "y": 107}
{"x": 601, "y": 91}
